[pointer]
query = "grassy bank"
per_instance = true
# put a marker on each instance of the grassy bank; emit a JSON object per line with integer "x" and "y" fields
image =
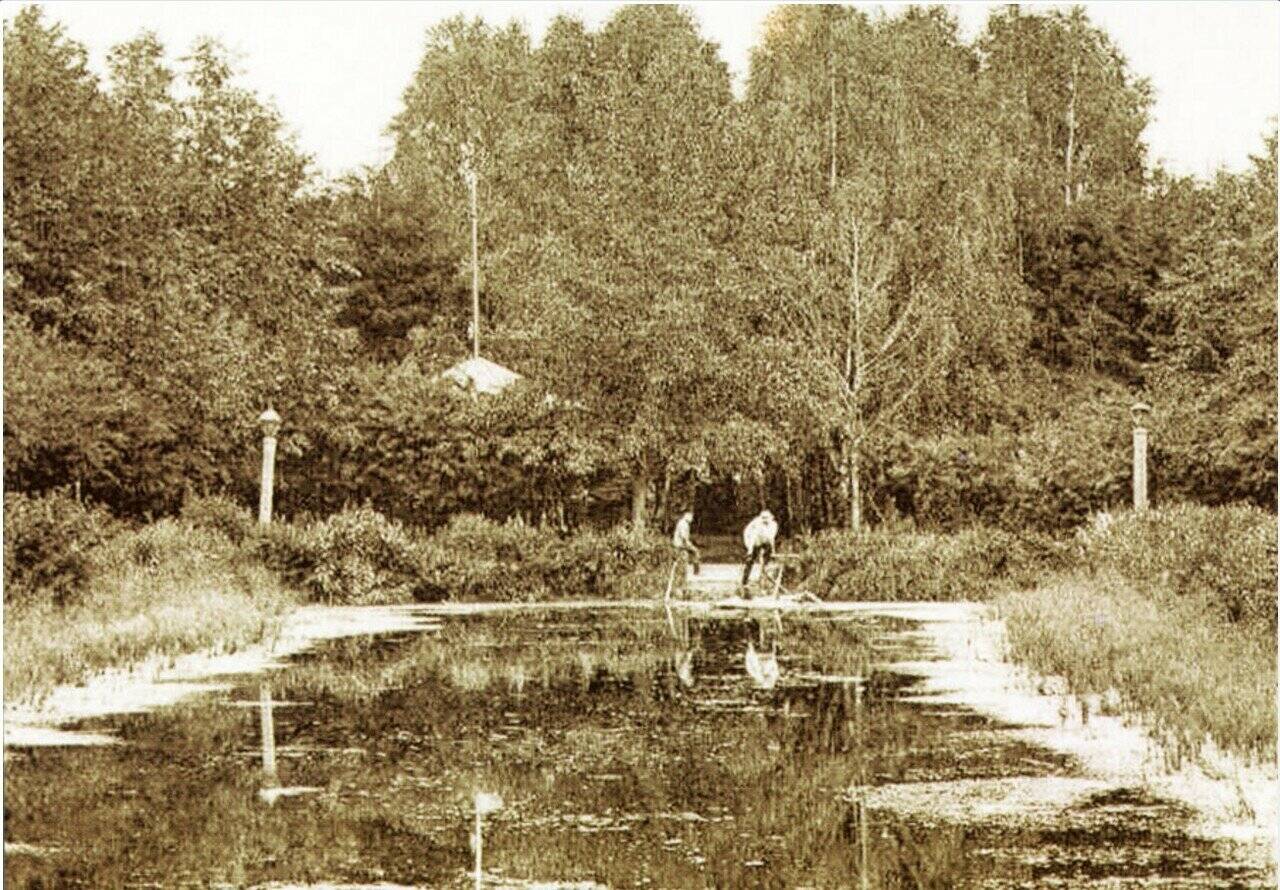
{"x": 1189, "y": 675}
{"x": 84, "y": 593}
{"x": 166, "y": 589}
{"x": 1174, "y": 610}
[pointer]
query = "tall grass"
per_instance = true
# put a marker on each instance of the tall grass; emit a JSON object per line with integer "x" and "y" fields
{"x": 1191, "y": 676}
{"x": 166, "y": 589}
{"x": 1175, "y": 609}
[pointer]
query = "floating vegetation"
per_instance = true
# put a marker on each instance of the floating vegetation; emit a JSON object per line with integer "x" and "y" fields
{"x": 613, "y": 770}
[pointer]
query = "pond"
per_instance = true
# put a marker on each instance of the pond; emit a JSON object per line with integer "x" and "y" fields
{"x": 628, "y": 750}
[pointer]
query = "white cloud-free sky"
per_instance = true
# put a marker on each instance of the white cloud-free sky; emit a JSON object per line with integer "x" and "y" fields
{"x": 337, "y": 70}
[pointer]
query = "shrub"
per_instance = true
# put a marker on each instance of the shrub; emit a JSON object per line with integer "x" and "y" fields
{"x": 881, "y": 565}
{"x": 477, "y": 558}
{"x": 47, "y": 545}
{"x": 356, "y": 556}
{"x": 601, "y": 560}
{"x": 1049, "y": 477}
{"x": 172, "y": 548}
{"x": 361, "y": 556}
{"x": 221, "y": 514}
{"x": 1225, "y": 556}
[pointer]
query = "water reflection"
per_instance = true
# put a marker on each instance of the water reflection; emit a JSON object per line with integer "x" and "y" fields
{"x": 631, "y": 749}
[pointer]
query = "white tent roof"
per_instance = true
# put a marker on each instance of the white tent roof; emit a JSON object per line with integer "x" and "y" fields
{"x": 481, "y": 374}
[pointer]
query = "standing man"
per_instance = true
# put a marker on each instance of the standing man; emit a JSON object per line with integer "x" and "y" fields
{"x": 683, "y": 540}
{"x": 759, "y": 537}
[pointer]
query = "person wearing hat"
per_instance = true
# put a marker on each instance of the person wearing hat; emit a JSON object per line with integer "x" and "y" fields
{"x": 759, "y": 537}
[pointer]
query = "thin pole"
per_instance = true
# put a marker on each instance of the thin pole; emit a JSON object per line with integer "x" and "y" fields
{"x": 479, "y": 847}
{"x": 475, "y": 271}
{"x": 864, "y": 878}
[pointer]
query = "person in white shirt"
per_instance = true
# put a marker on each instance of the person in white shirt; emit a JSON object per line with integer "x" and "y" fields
{"x": 682, "y": 540}
{"x": 759, "y": 537}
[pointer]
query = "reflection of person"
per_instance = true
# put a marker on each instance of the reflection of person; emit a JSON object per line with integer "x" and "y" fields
{"x": 759, "y": 537}
{"x": 683, "y": 540}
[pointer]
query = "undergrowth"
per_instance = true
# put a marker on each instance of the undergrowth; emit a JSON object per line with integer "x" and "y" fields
{"x": 162, "y": 590}
{"x": 1189, "y": 675}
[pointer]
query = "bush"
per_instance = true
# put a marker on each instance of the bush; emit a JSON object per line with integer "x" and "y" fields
{"x": 361, "y": 556}
{"x": 172, "y": 548}
{"x": 221, "y": 514}
{"x": 601, "y": 561}
{"x": 356, "y": 556}
{"x": 882, "y": 565}
{"x": 477, "y": 558}
{"x": 1225, "y": 556}
{"x": 47, "y": 545}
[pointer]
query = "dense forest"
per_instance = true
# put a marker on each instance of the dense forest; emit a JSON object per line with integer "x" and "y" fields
{"x": 903, "y": 277}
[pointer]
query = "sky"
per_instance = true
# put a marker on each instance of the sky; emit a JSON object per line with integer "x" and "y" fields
{"x": 337, "y": 70}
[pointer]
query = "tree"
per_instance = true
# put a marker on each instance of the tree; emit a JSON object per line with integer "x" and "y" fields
{"x": 168, "y": 249}
{"x": 1068, "y": 115}
{"x": 467, "y": 105}
{"x": 407, "y": 277}
{"x": 70, "y": 420}
{"x": 56, "y": 174}
{"x": 643, "y": 109}
{"x": 1214, "y": 377}
{"x": 883, "y": 211}
{"x": 871, "y": 350}
{"x": 1071, "y": 112}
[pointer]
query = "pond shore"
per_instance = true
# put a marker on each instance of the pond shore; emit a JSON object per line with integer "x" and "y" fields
{"x": 159, "y": 681}
{"x": 1233, "y": 799}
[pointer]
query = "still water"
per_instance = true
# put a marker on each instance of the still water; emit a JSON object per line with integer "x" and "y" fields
{"x": 628, "y": 750}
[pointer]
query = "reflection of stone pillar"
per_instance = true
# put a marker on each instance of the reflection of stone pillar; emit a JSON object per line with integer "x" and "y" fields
{"x": 1139, "y": 468}
{"x": 268, "y": 740}
{"x": 479, "y": 849}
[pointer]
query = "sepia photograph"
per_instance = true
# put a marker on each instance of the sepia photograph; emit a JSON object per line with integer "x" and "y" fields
{"x": 595, "y": 445}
